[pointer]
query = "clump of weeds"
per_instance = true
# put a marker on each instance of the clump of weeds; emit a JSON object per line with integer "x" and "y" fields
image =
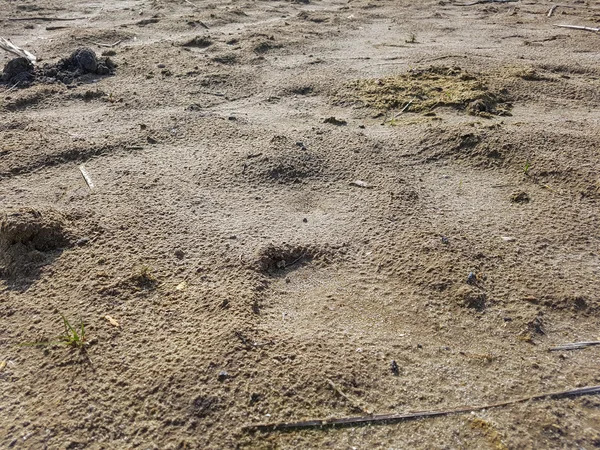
{"x": 73, "y": 336}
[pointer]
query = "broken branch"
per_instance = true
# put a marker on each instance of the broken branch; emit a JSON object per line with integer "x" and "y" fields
{"x": 15, "y": 50}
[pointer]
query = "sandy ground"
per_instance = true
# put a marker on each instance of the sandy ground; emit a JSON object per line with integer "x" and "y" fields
{"x": 246, "y": 270}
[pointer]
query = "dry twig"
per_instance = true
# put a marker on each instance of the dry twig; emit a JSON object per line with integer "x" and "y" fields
{"x": 478, "y": 2}
{"x": 196, "y": 8}
{"x": 577, "y": 27}
{"x": 99, "y": 44}
{"x": 574, "y": 346}
{"x": 392, "y": 418}
{"x": 12, "y": 88}
{"x": 44, "y": 18}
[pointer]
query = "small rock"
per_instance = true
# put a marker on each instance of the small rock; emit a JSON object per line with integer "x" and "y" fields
{"x": 223, "y": 375}
{"x": 333, "y": 121}
{"x": 305, "y": 220}
{"x": 82, "y": 241}
{"x": 445, "y": 240}
{"x": 394, "y": 367}
{"x": 536, "y": 325}
{"x": 179, "y": 254}
{"x": 471, "y": 278}
{"x": 254, "y": 398}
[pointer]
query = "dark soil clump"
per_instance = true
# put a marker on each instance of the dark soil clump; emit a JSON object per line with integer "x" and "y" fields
{"x": 18, "y": 70}
{"x": 82, "y": 63}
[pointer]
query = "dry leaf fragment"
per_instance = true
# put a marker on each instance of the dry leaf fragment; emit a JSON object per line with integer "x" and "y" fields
{"x": 362, "y": 184}
{"x": 112, "y": 321}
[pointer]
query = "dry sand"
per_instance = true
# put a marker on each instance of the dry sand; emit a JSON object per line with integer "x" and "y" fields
{"x": 251, "y": 250}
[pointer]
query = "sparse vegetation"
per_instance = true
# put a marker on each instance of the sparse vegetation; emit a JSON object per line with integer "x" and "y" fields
{"x": 73, "y": 337}
{"x": 144, "y": 277}
{"x": 427, "y": 89}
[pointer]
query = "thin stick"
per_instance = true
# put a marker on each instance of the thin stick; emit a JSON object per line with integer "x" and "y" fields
{"x": 552, "y": 10}
{"x": 47, "y": 19}
{"x": 99, "y": 44}
{"x": 574, "y": 346}
{"x": 405, "y": 108}
{"x": 12, "y": 88}
{"x": 391, "y": 418}
{"x": 198, "y": 9}
{"x": 478, "y": 2}
{"x": 577, "y": 27}
{"x": 86, "y": 177}
{"x": 190, "y": 3}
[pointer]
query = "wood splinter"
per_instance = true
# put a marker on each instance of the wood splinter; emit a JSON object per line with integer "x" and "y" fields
{"x": 86, "y": 177}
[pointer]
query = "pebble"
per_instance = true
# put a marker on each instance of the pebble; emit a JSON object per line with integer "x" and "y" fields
{"x": 223, "y": 375}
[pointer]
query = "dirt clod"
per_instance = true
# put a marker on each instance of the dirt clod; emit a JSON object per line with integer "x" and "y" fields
{"x": 198, "y": 42}
{"x": 520, "y": 197}
{"x": 83, "y": 61}
{"x": 18, "y": 70}
{"x": 469, "y": 297}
